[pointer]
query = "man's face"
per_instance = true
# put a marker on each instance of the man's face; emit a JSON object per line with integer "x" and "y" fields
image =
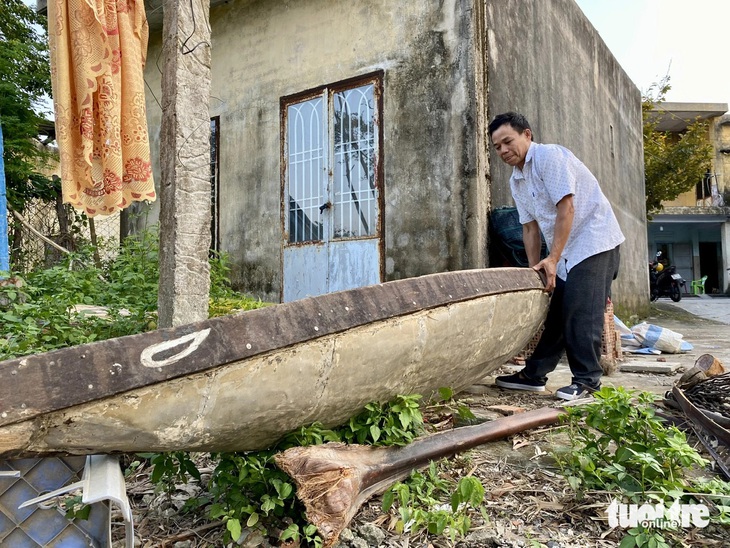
{"x": 511, "y": 145}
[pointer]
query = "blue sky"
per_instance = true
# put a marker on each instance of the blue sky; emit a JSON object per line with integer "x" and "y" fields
{"x": 687, "y": 38}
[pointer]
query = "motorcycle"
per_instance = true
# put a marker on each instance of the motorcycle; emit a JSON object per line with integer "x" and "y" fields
{"x": 664, "y": 281}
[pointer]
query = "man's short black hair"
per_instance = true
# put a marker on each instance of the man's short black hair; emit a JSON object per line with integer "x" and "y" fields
{"x": 518, "y": 122}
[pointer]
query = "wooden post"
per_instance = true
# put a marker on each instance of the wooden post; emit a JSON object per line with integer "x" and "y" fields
{"x": 185, "y": 164}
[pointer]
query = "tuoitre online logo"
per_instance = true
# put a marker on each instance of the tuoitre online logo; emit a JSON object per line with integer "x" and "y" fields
{"x": 657, "y": 515}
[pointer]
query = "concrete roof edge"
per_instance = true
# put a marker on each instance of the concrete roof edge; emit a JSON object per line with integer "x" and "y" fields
{"x": 714, "y": 109}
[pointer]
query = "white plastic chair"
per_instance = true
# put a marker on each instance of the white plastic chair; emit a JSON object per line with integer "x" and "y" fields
{"x": 102, "y": 480}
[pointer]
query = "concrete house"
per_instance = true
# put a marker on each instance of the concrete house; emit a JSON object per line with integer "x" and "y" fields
{"x": 350, "y": 138}
{"x": 693, "y": 231}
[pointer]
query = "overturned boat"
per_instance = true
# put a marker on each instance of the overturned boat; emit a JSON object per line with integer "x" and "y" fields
{"x": 240, "y": 382}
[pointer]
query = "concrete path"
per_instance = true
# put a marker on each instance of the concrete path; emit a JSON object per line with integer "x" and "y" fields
{"x": 704, "y": 306}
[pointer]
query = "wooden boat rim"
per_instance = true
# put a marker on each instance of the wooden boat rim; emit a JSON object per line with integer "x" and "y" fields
{"x": 33, "y": 385}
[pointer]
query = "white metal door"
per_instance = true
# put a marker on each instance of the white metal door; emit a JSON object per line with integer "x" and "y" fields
{"x": 332, "y": 212}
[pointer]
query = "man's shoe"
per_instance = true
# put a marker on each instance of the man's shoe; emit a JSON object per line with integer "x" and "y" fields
{"x": 518, "y": 381}
{"x": 574, "y": 392}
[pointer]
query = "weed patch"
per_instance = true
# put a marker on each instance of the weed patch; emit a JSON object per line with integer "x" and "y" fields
{"x": 619, "y": 445}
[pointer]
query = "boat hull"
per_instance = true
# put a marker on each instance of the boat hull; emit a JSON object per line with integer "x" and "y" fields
{"x": 249, "y": 403}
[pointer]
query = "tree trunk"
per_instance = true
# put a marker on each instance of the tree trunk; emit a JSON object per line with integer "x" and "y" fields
{"x": 94, "y": 242}
{"x": 16, "y": 247}
{"x": 64, "y": 232}
{"x": 185, "y": 164}
{"x": 123, "y": 225}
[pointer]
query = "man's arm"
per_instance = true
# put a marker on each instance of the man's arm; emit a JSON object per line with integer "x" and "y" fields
{"x": 563, "y": 225}
{"x": 533, "y": 242}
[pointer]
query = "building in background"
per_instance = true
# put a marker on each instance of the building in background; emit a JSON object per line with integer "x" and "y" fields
{"x": 693, "y": 231}
{"x": 351, "y": 144}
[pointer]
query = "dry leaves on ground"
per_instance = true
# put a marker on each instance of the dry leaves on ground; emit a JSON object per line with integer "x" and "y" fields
{"x": 527, "y": 503}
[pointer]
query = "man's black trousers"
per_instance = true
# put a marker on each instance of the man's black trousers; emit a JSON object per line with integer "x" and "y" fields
{"x": 574, "y": 324}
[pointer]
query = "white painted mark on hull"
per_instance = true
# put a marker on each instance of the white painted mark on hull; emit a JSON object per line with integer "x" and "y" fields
{"x": 195, "y": 340}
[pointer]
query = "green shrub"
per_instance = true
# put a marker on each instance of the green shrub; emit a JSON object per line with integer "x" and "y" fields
{"x": 619, "y": 445}
{"x": 248, "y": 489}
{"x": 421, "y": 502}
{"x": 40, "y": 316}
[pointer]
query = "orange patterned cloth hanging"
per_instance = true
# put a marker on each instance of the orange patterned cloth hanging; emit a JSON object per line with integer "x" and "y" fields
{"x": 98, "y": 51}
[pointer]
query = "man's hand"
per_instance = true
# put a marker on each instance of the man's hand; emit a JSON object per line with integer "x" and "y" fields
{"x": 549, "y": 266}
{"x": 563, "y": 225}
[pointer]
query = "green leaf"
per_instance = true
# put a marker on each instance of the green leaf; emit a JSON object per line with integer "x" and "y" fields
{"x": 216, "y": 510}
{"x": 574, "y": 482}
{"x": 267, "y": 504}
{"x": 388, "y": 499}
{"x": 437, "y": 524}
{"x": 253, "y": 519}
{"x": 627, "y": 542}
{"x": 465, "y": 413}
{"x": 291, "y": 532}
{"x": 234, "y": 527}
{"x": 477, "y": 494}
{"x": 157, "y": 472}
{"x": 455, "y": 500}
{"x": 284, "y": 490}
{"x": 405, "y": 418}
{"x": 466, "y": 488}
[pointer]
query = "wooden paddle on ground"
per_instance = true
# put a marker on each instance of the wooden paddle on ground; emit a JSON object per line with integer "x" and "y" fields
{"x": 333, "y": 480}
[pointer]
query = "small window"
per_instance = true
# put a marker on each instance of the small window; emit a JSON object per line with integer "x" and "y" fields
{"x": 307, "y": 166}
{"x": 215, "y": 183}
{"x": 704, "y": 187}
{"x": 354, "y": 162}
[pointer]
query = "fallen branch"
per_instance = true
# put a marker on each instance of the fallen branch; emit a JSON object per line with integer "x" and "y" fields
{"x": 35, "y": 232}
{"x": 47, "y": 240}
{"x": 190, "y": 533}
{"x": 334, "y": 480}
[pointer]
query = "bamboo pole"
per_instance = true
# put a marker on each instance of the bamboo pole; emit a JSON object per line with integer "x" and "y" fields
{"x": 35, "y": 232}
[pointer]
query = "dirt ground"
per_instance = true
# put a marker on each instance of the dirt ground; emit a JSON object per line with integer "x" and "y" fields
{"x": 528, "y": 503}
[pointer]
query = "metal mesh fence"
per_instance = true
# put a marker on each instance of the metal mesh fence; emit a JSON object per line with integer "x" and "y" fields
{"x": 44, "y": 525}
{"x": 43, "y": 232}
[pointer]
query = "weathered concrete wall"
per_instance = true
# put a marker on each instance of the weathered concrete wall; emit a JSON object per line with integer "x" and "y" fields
{"x": 264, "y": 50}
{"x": 721, "y": 130}
{"x": 542, "y": 58}
{"x": 547, "y": 61}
